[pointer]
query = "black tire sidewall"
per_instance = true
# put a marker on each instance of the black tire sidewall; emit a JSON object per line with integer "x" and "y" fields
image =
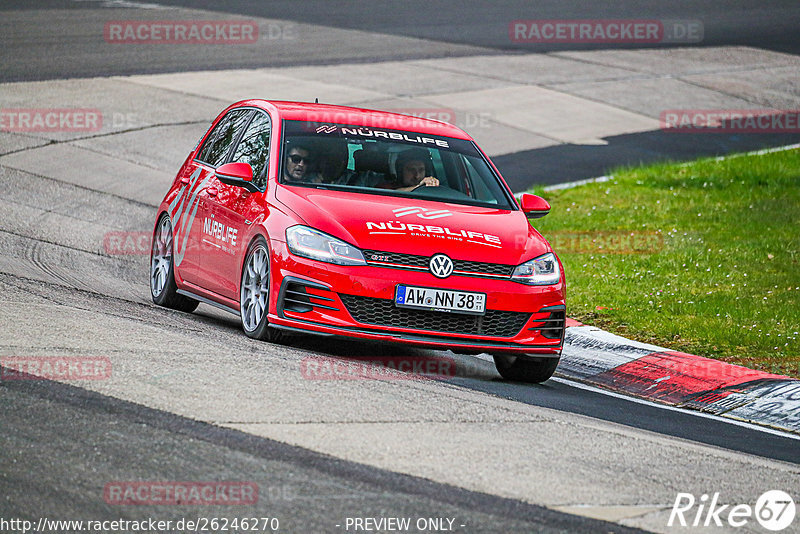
{"x": 526, "y": 370}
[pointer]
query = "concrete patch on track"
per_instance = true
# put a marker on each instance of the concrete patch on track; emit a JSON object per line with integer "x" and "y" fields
{"x": 94, "y": 171}
{"x": 233, "y": 85}
{"x": 122, "y": 106}
{"x": 562, "y": 117}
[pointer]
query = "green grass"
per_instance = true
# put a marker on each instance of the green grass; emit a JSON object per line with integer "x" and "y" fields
{"x": 700, "y": 258}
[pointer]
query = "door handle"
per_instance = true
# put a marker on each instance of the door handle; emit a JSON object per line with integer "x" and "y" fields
{"x": 212, "y": 191}
{"x": 185, "y": 180}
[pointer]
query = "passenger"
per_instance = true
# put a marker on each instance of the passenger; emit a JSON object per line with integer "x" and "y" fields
{"x": 299, "y": 164}
{"x": 333, "y": 164}
{"x": 414, "y": 169}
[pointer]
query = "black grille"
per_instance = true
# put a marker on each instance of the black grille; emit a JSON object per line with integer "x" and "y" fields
{"x": 412, "y": 260}
{"x": 296, "y": 298}
{"x": 551, "y": 326}
{"x": 383, "y": 312}
{"x": 409, "y": 260}
{"x": 483, "y": 268}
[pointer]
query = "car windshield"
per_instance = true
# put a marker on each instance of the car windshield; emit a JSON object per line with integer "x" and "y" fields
{"x": 389, "y": 162}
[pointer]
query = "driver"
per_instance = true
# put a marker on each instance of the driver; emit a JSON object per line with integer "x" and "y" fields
{"x": 414, "y": 169}
{"x": 299, "y": 164}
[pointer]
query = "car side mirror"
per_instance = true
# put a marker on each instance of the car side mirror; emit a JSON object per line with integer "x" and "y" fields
{"x": 237, "y": 174}
{"x": 534, "y": 206}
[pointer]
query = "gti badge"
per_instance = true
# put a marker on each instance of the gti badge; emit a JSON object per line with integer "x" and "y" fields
{"x": 440, "y": 266}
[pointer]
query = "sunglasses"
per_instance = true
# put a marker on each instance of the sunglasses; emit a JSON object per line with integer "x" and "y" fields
{"x": 295, "y": 158}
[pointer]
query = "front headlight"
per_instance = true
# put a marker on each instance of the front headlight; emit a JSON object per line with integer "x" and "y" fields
{"x": 541, "y": 271}
{"x": 310, "y": 243}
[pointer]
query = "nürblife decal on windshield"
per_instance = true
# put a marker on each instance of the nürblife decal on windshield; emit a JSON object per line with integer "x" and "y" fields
{"x": 378, "y": 133}
{"x": 382, "y": 134}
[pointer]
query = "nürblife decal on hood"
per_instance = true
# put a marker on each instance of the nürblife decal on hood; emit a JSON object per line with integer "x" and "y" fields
{"x": 433, "y": 232}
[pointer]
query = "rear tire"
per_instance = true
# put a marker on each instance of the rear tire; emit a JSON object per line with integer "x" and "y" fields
{"x": 525, "y": 369}
{"x": 254, "y": 292}
{"x": 163, "y": 288}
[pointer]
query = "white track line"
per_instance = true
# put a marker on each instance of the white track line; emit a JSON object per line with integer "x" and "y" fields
{"x": 696, "y": 413}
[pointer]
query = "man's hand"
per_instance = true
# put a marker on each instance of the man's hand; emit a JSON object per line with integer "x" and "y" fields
{"x": 428, "y": 181}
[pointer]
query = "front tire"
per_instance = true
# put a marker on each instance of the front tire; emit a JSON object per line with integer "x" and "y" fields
{"x": 525, "y": 369}
{"x": 254, "y": 293}
{"x": 163, "y": 288}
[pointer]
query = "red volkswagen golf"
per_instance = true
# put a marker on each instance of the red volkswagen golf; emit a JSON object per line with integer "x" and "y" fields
{"x": 340, "y": 221}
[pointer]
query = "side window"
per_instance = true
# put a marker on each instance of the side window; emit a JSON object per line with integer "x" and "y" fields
{"x": 254, "y": 148}
{"x": 478, "y": 181}
{"x": 438, "y": 166}
{"x": 219, "y": 142}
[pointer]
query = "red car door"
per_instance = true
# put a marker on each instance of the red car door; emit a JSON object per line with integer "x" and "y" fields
{"x": 183, "y": 212}
{"x": 232, "y": 210}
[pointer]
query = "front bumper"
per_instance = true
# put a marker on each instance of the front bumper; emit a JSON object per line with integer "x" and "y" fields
{"x": 358, "y": 301}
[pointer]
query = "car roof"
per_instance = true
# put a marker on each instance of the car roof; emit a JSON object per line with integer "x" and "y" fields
{"x": 350, "y": 116}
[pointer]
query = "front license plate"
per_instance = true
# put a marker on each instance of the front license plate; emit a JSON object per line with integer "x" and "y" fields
{"x": 427, "y": 298}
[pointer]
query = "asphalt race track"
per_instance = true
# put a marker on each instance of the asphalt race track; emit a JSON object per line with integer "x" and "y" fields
{"x": 190, "y": 398}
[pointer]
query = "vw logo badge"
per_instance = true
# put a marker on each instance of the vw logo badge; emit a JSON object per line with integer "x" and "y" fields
{"x": 440, "y": 266}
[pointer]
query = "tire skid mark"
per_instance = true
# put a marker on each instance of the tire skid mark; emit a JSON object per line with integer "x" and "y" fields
{"x": 60, "y": 295}
{"x": 34, "y": 252}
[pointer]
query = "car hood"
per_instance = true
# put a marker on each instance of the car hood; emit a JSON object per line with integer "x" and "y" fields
{"x": 414, "y": 226}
